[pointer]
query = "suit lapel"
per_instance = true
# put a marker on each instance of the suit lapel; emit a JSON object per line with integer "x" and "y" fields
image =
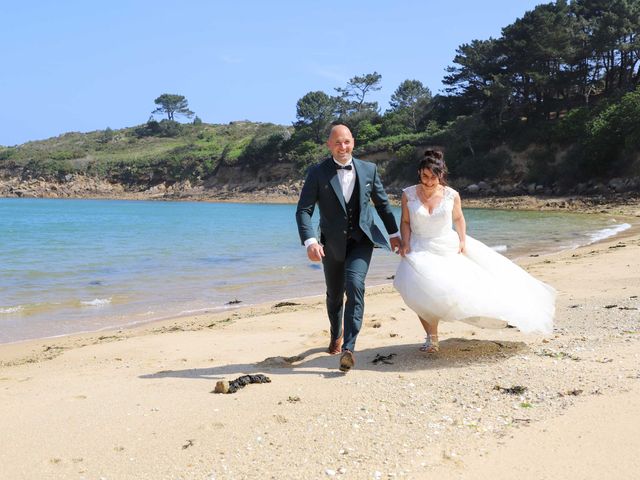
{"x": 360, "y": 178}
{"x": 334, "y": 181}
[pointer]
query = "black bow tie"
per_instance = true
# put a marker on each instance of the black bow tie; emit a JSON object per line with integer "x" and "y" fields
{"x": 343, "y": 167}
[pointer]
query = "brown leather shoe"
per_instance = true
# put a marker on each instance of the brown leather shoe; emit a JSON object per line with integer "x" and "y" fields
{"x": 347, "y": 361}
{"x": 335, "y": 346}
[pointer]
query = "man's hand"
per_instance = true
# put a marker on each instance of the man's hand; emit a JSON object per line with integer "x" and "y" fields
{"x": 396, "y": 244}
{"x": 315, "y": 252}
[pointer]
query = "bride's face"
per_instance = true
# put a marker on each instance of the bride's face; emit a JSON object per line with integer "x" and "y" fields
{"x": 428, "y": 179}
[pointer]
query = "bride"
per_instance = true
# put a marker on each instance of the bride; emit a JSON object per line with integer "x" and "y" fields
{"x": 447, "y": 275}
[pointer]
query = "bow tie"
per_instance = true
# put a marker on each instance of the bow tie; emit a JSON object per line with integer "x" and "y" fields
{"x": 343, "y": 167}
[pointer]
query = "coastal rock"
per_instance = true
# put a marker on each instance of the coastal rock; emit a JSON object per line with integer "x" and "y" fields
{"x": 473, "y": 188}
{"x": 580, "y": 188}
{"x": 507, "y": 189}
{"x": 484, "y": 186}
{"x": 620, "y": 185}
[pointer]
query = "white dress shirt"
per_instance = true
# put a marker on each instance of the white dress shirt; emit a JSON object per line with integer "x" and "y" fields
{"x": 347, "y": 179}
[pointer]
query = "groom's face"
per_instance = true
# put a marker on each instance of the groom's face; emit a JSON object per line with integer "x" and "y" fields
{"x": 341, "y": 144}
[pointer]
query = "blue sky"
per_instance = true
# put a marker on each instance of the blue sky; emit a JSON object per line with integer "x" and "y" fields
{"x": 83, "y": 66}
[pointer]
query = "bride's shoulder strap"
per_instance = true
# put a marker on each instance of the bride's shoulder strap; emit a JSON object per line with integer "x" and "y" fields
{"x": 450, "y": 192}
{"x": 410, "y": 192}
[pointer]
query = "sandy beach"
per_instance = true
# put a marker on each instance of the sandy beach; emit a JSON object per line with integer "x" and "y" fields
{"x": 138, "y": 403}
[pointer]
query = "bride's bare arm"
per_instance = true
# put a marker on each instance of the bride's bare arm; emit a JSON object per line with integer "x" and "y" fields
{"x": 459, "y": 222}
{"x": 405, "y": 227}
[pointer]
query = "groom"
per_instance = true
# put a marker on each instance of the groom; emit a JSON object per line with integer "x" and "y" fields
{"x": 342, "y": 187}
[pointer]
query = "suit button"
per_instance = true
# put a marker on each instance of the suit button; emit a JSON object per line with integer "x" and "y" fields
{"x": 344, "y": 231}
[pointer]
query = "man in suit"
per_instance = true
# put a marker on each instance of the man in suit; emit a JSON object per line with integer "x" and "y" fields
{"x": 343, "y": 187}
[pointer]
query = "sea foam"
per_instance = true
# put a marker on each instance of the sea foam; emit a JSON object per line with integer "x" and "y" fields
{"x": 8, "y": 310}
{"x": 608, "y": 232}
{"x": 96, "y": 302}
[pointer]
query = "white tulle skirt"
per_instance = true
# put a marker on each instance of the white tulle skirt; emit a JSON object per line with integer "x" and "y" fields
{"x": 480, "y": 287}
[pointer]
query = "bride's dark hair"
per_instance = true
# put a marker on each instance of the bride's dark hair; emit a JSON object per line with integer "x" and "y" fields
{"x": 434, "y": 160}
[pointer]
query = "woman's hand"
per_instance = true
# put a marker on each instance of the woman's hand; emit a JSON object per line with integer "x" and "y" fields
{"x": 462, "y": 247}
{"x": 404, "y": 249}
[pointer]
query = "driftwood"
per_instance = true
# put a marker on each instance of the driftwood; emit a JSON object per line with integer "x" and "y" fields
{"x": 224, "y": 386}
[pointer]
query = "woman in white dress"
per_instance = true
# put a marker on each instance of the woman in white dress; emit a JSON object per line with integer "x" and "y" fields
{"x": 446, "y": 275}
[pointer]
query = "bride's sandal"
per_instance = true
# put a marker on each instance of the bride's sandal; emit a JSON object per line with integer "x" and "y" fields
{"x": 431, "y": 344}
{"x": 435, "y": 345}
{"x": 426, "y": 344}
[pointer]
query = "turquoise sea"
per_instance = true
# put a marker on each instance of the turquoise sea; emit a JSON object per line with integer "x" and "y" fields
{"x": 83, "y": 265}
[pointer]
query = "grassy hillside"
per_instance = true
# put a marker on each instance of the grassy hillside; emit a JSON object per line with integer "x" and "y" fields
{"x": 166, "y": 150}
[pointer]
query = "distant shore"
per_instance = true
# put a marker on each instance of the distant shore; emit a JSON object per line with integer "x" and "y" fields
{"x": 83, "y": 187}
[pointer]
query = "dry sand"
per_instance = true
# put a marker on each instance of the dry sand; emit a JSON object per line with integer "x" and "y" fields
{"x": 137, "y": 404}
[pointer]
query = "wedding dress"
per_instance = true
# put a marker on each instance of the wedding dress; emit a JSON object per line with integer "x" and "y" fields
{"x": 480, "y": 287}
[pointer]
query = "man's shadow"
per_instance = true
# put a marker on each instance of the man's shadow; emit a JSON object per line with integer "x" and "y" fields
{"x": 454, "y": 353}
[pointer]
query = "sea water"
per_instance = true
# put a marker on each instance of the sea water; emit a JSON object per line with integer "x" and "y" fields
{"x": 83, "y": 265}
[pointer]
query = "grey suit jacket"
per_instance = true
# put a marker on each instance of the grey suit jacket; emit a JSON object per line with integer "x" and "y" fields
{"x": 322, "y": 187}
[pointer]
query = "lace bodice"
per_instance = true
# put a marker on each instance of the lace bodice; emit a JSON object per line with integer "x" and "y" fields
{"x": 425, "y": 225}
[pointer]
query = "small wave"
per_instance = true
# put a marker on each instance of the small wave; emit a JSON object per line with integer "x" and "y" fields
{"x": 8, "y": 310}
{"x": 218, "y": 308}
{"x": 608, "y": 232}
{"x": 500, "y": 248}
{"x": 96, "y": 302}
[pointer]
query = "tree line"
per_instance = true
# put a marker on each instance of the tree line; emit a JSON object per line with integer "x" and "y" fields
{"x": 565, "y": 77}
{"x": 562, "y": 83}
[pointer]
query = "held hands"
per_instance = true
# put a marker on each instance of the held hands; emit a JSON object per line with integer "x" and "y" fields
{"x": 399, "y": 247}
{"x": 396, "y": 245}
{"x": 315, "y": 252}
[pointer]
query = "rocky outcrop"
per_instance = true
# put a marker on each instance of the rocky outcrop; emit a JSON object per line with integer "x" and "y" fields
{"x": 82, "y": 186}
{"x": 72, "y": 186}
{"x": 593, "y": 187}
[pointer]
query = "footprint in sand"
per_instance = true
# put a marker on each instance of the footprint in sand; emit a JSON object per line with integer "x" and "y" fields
{"x": 279, "y": 362}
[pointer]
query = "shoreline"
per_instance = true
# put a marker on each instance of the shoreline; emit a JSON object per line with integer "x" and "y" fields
{"x": 138, "y": 404}
{"x": 225, "y": 310}
{"x": 616, "y": 204}
{"x": 249, "y": 310}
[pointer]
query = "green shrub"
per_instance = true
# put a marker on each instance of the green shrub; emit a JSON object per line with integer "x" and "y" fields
{"x": 541, "y": 166}
{"x": 367, "y": 132}
{"x": 572, "y": 127}
{"x": 65, "y": 155}
{"x": 306, "y": 154}
{"x": 47, "y": 169}
{"x": 6, "y": 153}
